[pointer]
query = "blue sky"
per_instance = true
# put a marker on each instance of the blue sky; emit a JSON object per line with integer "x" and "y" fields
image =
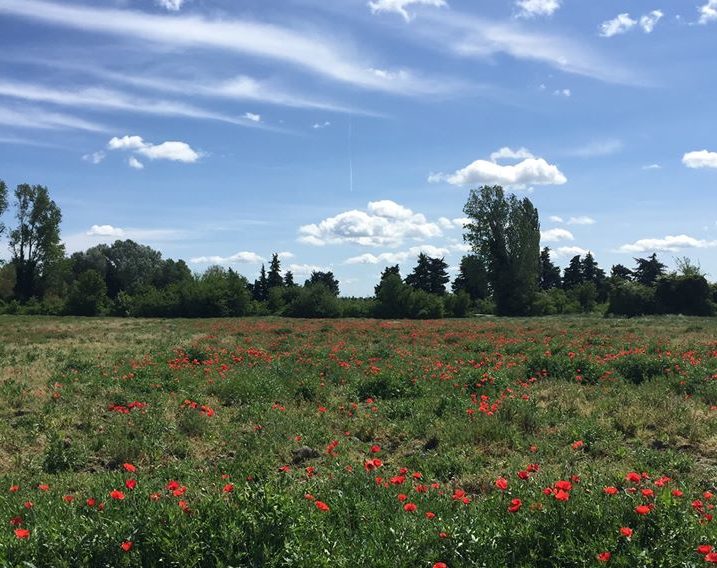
{"x": 347, "y": 134}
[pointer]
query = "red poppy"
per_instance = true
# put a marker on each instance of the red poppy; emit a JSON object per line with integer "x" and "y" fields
{"x": 515, "y": 505}
{"x": 604, "y": 556}
{"x": 501, "y": 483}
{"x": 410, "y": 507}
{"x": 129, "y": 467}
{"x": 16, "y": 521}
{"x": 561, "y": 495}
{"x": 172, "y": 485}
{"x": 68, "y": 498}
{"x": 563, "y": 485}
{"x": 440, "y": 565}
{"x": 22, "y": 533}
{"x": 577, "y": 444}
{"x": 704, "y": 548}
{"x": 375, "y": 449}
{"x": 642, "y": 509}
{"x": 626, "y": 532}
{"x": 677, "y": 493}
{"x": 430, "y": 515}
{"x": 610, "y": 490}
{"x": 14, "y": 488}
{"x": 130, "y": 484}
{"x": 43, "y": 487}
{"x": 321, "y": 506}
{"x": 228, "y": 488}
{"x": 402, "y": 497}
{"x": 711, "y": 558}
{"x": 633, "y": 477}
{"x": 91, "y": 502}
{"x": 117, "y": 494}
{"x": 127, "y": 545}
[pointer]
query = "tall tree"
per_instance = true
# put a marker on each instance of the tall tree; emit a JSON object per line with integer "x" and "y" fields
{"x": 260, "y": 289}
{"x": 35, "y": 242}
{"x": 130, "y": 266}
{"x": 289, "y": 279}
{"x": 326, "y": 278}
{"x": 648, "y": 270}
{"x": 386, "y": 272}
{"x": 438, "y": 276}
{"x": 420, "y": 278}
{"x": 3, "y": 204}
{"x": 549, "y": 273}
{"x": 505, "y": 232}
{"x": 274, "y": 279}
{"x": 620, "y": 272}
{"x": 573, "y": 274}
{"x": 472, "y": 277}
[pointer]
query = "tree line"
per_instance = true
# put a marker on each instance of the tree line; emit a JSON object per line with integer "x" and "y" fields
{"x": 506, "y": 273}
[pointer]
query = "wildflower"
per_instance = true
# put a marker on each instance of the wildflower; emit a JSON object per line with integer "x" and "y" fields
{"x": 14, "y": 488}
{"x": 127, "y": 545}
{"x": 402, "y": 497}
{"x": 43, "y": 487}
{"x": 172, "y": 485}
{"x": 563, "y": 485}
{"x": 410, "y": 507}
{"x": 129, "y": 467}
{"x": 561, "y": 495}
{"x": 642, "y": 509}
{"x": 228, "y": 488}
{"x": 604, "y": 556}
{"x": 501, "y": 483}
{"x": 375, "y": 449}
{"x": 577, "y": 444}
{"x": 321, "y": 506}
{"x": 430, "y": 515}
{"x": 515, "y": 505}
{"x": 704, "y": 549}
{"x": 677, "y": 493}
{"x": 610, "y": 490}
{"x": 440, "y": 565}
{"x": 117, "y": 495}
{"x": 130, "y": 484}
{"x": 91, "y": 502}
{"x": 626, "y": 532}
{"x": 68, "y": 498}
{"x": 711, "y": 557}
{"x": 16, "y": 521}
{"x": 633, "y": 477}
{"x": 22, "y": 533}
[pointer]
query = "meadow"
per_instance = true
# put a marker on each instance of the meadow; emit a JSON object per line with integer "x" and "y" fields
{"x": 271, "y": 442}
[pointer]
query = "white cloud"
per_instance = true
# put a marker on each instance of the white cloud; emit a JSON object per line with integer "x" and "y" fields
{"x": 555, "y": 235}
{"x": 286, "y": 255}
{"x": 567, "y": 93}
{"x": 555, "y": 219}
{"x": 31, "y": 117}
{"x": 319, "y": 125}
{"x": 700, "y": 159}
{"x": 530, "y": 171}
{"x": 708, "y": 12}
{"x": 386, "y": 223}
{"x": 619, "y": 25}
{"x": 571, "y": 251}
{"x": 532, "y": 8}
{"x": 135, "y": 164}
{"x": 243, "y": 257}
{"x": 509, "y": 153}
{"x": 172, "y": 5}
{"x": 652, "y": 167}
{"x": 105, "y": 231}
{"x": 582, "y": 220}
{"x": 396, "y": 257}
{"x": 312, "y": 51}
{"x": 597, "y": 148}
{"x": 253, "y": 117}
{"x": 670, "y": 243}
{"x": 95, "y": 157}
{"x": 171, "y": 150}
{"x": 399, "y": 6}
{"x": 306, "y": 269}
{"x": 649, "y": 21}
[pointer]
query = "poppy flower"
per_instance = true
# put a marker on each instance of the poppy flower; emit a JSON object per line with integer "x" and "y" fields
{"x": 172, "y": 485}
{"x": 561, "y": 495}
{"x": 321, "y": 506}
{"x": 677, "y": 493}
{"x": 633, "y": 477}
{"x": 14, "y": 488}
{"x": 610, "y": 490}
{"x": 117, "y": 495}
{"x": 127, "y": 545}
{"x": 577, "y": 444}
{"x": 68, "y": 498}
{"x": 130, "y": 484}
{"x": 375, "y": 449}
{"x": 430, "y": 515}
{"x": 642, "y": 509}
{"x": 22, "y": 533}
{"x": 43, "y": 487}
{"x": 410, "y": 507}
{"x": 604, "y": 556}
{"x": 515, "y": 505}
{"x": 91, "y": 502}
{"x": 704, "y": 548}
{"x": 440, "y": 565}
{"x": 16, "y": 521}
{"x": 228, "y": 488}
{"x": 402, "y": 497}
{"x": 501, "y": 483}
{"x": 626, "y": 532}
{"x": 563, "y": 485}
{"x": 129, "y": 467}
{"x": 711, "y": 557}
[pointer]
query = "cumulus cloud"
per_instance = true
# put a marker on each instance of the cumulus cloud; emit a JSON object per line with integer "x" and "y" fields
{"x": 532, "y": 8}
{"x": 95, "y": 157}
{"x": 700, "y": 159}
{"x": 171, "y": 150}
{"x": 135, "y": 164}
{"x": 670, "y": 243}
{"x": 253, "y": 117}
{"x": 171, "y": 5}
{"x": 385, "y": 223}
{"x": 509, "y": 153}
{"x": 401, "y": 256}
{"x": 243, "y": 257}
{"x": 458, "y": 223}
{"x": 529, "y": 171}
{"x": 306, "y": 269}
{"x": 555, "y": 219}
{"x": 623, "y": 23}
{"x": 566, "y": 251}
{"x": 285, "y": 255}
{"x": 582, "y": 220}
{"x": 708, "y": 12}
{"x": 555, "y": 235}
{"x": 105, "y": 231}
{"x": 399, "y": 6}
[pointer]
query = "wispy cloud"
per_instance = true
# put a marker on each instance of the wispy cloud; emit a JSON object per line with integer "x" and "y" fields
{"x": 597, "y": 148}
{"x": 32, "y": 117}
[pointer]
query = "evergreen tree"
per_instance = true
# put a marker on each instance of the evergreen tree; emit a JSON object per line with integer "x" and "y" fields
{"x": 274, "y": 279}
{"x": 591, "y": 272}
{"x": 472, "y": 278}
{"x": 620, "y": 272}
{"x": 420, "y": 278}
{"x": 505, "y": 233}
{"x": 260, "y": 290}
{"x": 289, "y": 279}
{"x": 648, "y": 270}
{"x": 573, "y": 274}
{"x": 3, "y": 204}
{"x": 386, "y": 272}
{"x": 549, "y": 273}
{"x": 438, "y": 276}
{"x": 325, "y": 278}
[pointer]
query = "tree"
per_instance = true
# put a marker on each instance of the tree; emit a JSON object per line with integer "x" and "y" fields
{"x": 289, "y": 279}
{"x": 325, "y": 278}
{"x": 3, "y": 204}
{"x": 472, "y": 278}
{"x": 620, "y": 273}
{"x": 573, "y": 274}
{"x": 549, "y": 273}
{"x": 88, "y": 295}
{"x": 260, "y": 290}
{"x": 386, "y": 271}
{"x": 274, "y": 279}
{"x": 438, "y": 276}
{"x": 35, "y": 243}
{"x": 648, "y": 270}
{"x": 505, "y": 233}
{"x": 592, "y": 273}
{"x": 420, "y": 278}
{"x": 130, "y": 266}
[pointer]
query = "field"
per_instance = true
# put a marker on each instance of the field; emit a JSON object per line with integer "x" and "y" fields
{"x": 270, "y": 442}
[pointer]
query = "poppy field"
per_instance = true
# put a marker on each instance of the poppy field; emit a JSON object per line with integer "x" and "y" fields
{"x": 272, "y": 442}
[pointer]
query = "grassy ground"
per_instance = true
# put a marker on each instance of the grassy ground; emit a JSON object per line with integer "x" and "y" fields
{"x": 270, "y": 442}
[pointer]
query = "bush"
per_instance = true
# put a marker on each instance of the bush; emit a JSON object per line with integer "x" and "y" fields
{"x": 313, "y": 301}
{"x": 88, "y": 295}
{"x": 631, "y": 299}
{"x": 684, "y": 294}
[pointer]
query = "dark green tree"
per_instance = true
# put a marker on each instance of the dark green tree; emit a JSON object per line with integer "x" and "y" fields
{"x": 648, "y": 270}
{"x": 386, "y": 271}
{"x": 438, "y": 276}
{"x": 130, "y": 266}
{"x": 3, "y": 204}
{"x": 274, "y": 279}
{"x": 420, "y": 278}
{"x": 289, "y": 279}
{"x": 505, "y": 233}
{"x": 35, "y": 242}
{"x": 88, "y": 294}
{"x": 573, "y": 274}
{"x": 620, "y": 273}
{"x": 549, "y": 273}
{"x": 472, "y": 278}
{"x": 325, "y": 278}
{"x": 592, "y": 273}
{"x": 260, "y": 290}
